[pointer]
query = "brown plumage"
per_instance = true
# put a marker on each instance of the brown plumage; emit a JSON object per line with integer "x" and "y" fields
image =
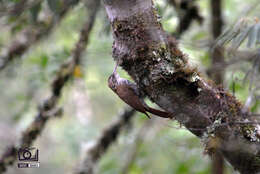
{"x": 129, "y": 93}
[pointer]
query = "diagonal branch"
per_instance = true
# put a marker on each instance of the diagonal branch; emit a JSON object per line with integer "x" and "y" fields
{"x": 238, "y": 56}
{"x": 49, "y": 107}
{"x": 32, "y": 34}
{"x": 161, "y": 71}
{"x": 108, "y": 137}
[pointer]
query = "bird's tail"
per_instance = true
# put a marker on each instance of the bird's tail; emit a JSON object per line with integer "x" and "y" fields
{"x": 159, "y": 113}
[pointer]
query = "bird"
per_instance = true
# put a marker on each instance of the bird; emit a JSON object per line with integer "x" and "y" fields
{"x": 130, "y": 94}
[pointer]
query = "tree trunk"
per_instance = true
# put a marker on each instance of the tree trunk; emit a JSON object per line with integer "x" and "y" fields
{"x": 161, "y": 71}
{"x": 217, "y": 58}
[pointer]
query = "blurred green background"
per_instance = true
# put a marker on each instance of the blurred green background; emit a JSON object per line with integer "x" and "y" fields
{"x": 90, "y": 106}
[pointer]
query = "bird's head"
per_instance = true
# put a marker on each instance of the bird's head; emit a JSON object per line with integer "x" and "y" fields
{"x": 112, "y": 81}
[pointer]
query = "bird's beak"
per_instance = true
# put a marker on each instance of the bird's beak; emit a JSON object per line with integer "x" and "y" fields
{"x": 115, "y": 68}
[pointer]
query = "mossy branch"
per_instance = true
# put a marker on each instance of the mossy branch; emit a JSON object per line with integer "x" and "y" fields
{"x": 162, "y": 72}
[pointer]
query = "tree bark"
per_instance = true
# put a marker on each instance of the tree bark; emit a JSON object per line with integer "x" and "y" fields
{"x": 161, "y": 71}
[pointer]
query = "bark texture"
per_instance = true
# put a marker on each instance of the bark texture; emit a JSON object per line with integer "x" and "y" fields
{"x": 161, "y": 71}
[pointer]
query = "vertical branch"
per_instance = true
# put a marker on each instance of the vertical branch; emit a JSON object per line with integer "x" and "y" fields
{"x": 48, "y": 109}
{"x": 217, "y": 58}
{"x": 216, "y": 17}
{"x": 217, "y": 53}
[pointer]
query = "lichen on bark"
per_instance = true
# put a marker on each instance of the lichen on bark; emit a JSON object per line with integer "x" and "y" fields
{"x": 161, "y": 71}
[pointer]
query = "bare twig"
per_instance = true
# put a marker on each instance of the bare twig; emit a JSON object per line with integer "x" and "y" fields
{"x": 48, "y": 109}
{"x": 108, "y": 137}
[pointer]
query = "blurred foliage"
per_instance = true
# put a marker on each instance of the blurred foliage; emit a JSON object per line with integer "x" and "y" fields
{"x": 90, "y": 105}
{"x": 246, "y": 28}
